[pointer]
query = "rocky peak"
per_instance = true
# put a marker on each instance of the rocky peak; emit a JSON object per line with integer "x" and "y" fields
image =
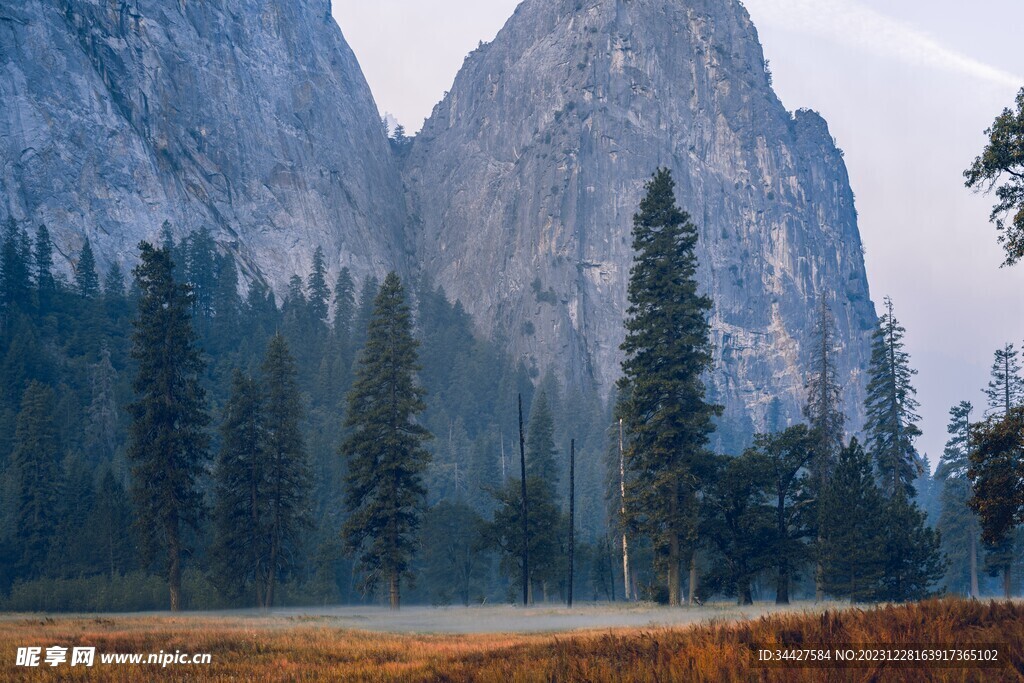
{"x": 542, "y": 148}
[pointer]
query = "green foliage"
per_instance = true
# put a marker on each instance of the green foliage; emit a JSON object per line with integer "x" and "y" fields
{"x": 384, "y": 448}
{"x": 1006, "y": 388}
{"x": 913, "y": 561}
{"x": 891, "y": 407}
{"x": 1000, "y": 168}
{"x": 662, "y": 392}
{"x": 824, "y": 409}
{"x": 791, "y": 490}
{"x": 740, "y": 522}
{"x": 168, "y": 443}
{"x": 851, "y": 532}
{"x": 38, "y": 476}
{"x": 958, "y": 525}
{"x": 87, "y": 282}
{"x": 454, "y": 564}
{"x": 546, "y": 531}
{"x": 997, "y": 474}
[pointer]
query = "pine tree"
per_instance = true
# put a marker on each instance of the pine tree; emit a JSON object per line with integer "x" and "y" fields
{"x": 541, "y": 454}
{"x": 113, "y": 283}
{"x": 240, "y": 516}
{"x": 959, "y": 527}
{"x": 101, "y": 432}
{"x": 890, "y": 406}
{"x": 1003, "y": 157}
{"x": 15, "y": 268}
{"x": 319, "y": 293}
{"x": 46, "y": 286}
{"x": 36, "y": 464}
{"x": 662, "y": 402}
{"x": 287, "y": 466}
{"x": 851, "y": 536}
{"x": 168, "y": 443}
{"x": 87, "y": 282}
{"x": 1006, "y": 389}
{"x": 200, "y": 273}
{"x": 384, "y": 448}
{"x": 367, "y": 295}
{"x": 824, "y": 409}
{"x": 913, "y": 560}
{"x": 344, "y": 305}
{"x": 110, "y": 523}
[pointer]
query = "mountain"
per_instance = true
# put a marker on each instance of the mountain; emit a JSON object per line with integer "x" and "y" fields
{"x": 249, "y": 117}
{"x": 524, "y": 180}
{"x": 252, "y": 118}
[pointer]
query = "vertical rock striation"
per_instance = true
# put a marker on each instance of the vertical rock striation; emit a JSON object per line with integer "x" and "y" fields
{"x": 249, "y": 117}
{"x": 524, "y": 180}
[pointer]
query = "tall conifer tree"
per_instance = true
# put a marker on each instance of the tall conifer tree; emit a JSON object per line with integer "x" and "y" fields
{"x": 668, "y": 351}
{"x": 36, "y": 464}
{"x": 384, "y": 448}
{"x": 1006, "y": 388}
{"x": 891, "y": 407}
{"x": 961, "y": 534}
{"x": 287, "y": 465}
{"x": 87, "y": 282}
{"x": 168, "y": 442}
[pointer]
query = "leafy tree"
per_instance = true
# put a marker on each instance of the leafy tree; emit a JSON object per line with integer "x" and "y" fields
{"x": 384, "y": 447}
{"x": 1006, "y": 389}
{"x": 891, "y": 405}
{"x": 545, "y": 531}
{"x": 453, "y": 557}
{"x": 167, "y": 440}
{"x": 662, "y": 392}
{"x": 36, "y": 463}
{"x": 852, "y": 554}
{"x": 957, "y": 523}
{"x": 786, "y": 456}
{"x": 997, "y": 473}
{"x": 740, "y": 522}
{"x": 87, "y": 282}
{"x": 1001, "y": 168}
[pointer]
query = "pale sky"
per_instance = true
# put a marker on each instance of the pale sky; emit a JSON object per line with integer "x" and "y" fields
{"x": 908, "y": 89}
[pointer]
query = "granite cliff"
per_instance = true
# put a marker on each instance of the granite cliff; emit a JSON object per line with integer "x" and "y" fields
{"x": 249, "y": 117}
{"x": 542, "y": 148}
{"x": 252, "y": 117}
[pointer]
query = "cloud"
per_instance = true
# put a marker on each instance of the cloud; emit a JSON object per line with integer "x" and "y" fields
{"x": 855, "y": 25}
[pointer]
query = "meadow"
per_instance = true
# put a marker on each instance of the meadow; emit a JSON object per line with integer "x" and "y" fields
{"x": 314, "y": 648}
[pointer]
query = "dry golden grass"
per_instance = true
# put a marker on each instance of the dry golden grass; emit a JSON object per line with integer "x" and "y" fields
{"x": 309, "y": 649}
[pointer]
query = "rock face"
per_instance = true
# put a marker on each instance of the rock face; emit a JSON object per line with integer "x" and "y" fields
{"x": 249, "y": 117}
{"x": 252, "y": 118}
{"x": 524, "y": 181}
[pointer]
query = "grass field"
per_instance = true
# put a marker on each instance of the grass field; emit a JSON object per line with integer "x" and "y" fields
{"x": 314, "y": 648}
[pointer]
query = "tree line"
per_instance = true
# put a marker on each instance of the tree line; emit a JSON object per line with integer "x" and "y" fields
{"x": 353, "y": 446}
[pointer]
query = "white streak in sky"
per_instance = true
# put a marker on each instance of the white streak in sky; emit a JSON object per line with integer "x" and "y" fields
{"x": 855, "y": 25}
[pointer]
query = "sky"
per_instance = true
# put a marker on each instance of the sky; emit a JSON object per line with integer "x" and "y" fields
{"x": 908, "y": 89}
